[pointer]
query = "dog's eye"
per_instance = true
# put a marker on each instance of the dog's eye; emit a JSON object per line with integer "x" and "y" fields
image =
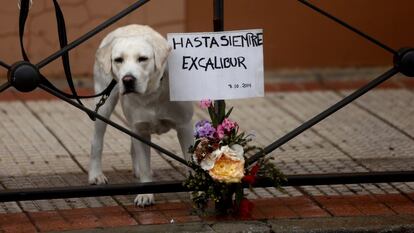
{"x": 119, "y": 60}
{"x": 142, "y": 59}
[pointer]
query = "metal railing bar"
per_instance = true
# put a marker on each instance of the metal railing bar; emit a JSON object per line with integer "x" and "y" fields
{"x": 316, "y": 119}
{"x": 113, "y": 124}
{"x": 177, "y": 186}
{"x": 5, "y": 65}
{"x": 91, "y": 33}
{"x": 5, "y": 86}
{"x": 218, "y": 25}
{"x": 346, "y": 25}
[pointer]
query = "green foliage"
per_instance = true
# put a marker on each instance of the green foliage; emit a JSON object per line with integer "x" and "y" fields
{"x": 218, "y": 115}
{"x": 270, "y": 171}
{"x": 205, "y": 188}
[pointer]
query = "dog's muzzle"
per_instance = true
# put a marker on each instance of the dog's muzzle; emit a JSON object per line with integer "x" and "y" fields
{"x": 129, "y": 84}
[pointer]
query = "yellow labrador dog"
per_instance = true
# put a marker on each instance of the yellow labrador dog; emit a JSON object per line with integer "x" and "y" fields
{"x": 135, "y": 56}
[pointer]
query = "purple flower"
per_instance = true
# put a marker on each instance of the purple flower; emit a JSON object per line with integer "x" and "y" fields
{"x": 204, "y": 129}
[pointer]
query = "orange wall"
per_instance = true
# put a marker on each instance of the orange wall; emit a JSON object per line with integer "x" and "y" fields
{"x": 81, "y": 16}
{"x": 295, "y": 36}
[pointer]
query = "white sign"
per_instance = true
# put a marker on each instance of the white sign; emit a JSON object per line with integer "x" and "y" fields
{"x": 216, "y": 65}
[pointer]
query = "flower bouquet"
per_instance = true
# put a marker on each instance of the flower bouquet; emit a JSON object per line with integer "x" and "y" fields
{"x": 220, "y": 172}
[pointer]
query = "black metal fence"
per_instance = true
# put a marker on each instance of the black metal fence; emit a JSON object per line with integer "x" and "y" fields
{"x": 26, "y": 76}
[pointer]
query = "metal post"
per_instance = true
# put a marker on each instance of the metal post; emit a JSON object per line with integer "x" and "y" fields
{"x": 218, "y": 24}
{"x": 218, "y": 18}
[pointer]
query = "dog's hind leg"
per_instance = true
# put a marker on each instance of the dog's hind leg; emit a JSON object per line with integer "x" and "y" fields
{"x": 96, "y": 175}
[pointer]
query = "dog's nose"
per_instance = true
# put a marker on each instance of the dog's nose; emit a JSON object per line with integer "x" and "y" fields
{"x": 128, "y": 81}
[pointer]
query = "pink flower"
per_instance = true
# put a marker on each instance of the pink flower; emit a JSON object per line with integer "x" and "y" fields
{"x": 225, "y": 127}
{"x": 220, "y": 132}
{"x": 204, "y": 104}
{"x": 228, "y": 125}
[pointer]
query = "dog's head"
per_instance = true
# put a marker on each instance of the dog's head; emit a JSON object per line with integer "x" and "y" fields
{"x": 136, "y": 61}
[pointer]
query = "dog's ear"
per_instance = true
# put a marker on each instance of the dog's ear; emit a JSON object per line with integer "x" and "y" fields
{"x": 161, "y": 49}
{"x": 104, "y": 57}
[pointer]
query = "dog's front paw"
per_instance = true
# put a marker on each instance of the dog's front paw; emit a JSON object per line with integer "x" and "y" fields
{"x": 98, "y": 179}
{"x": 143, "y": 200}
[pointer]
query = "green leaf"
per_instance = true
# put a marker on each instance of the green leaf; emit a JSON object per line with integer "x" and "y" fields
{"x": 222, "y": 111}
{"x": 239, "y": 194}
{"x": 213, "y": 116}
{"x": 229, "y": 112}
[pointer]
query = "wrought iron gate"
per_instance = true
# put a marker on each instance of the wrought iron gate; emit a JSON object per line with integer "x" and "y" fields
{"x": 26, "y": 76}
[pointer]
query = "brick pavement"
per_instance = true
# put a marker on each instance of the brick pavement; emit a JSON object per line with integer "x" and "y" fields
{"x": 45, "y": 143}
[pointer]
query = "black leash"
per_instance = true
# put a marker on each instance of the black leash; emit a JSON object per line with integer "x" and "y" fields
{"x": 63, "y": 41}
{"x": 61, "y": 26}
{"x": 24, "y": 12}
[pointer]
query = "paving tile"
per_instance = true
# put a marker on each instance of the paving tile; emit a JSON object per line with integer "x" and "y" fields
{"x": 405, "y": 187}
{"x": 397, "y": 202}
{"x": 280, "y": 207}
{"x": 181, "y": 215}
{"x": 80, "y": 218}
{"x": 368, "y": 141}
{"x": 50, "y": 221}
{"x": 16, "y": 223}
{"x": 9, "y": 207}
{"x": 274, "y": 208}
{"x": 36, "y": 145}
{"x": 151, "y": 217}
{"x": 263, "y": 193}
{"x": 133, "y": 208}
{"x": 113, "y": 216}
{"x": 174, "y": 206}
{"x": 338, "y": 206}
{"x": 369, "y": 205}
{"x": 395, "y": 106}
{"x": 304, "y": 207}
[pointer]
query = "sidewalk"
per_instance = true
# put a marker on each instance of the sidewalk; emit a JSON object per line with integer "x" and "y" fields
{"x": 46, "y": 143}
{"x": 376, "y": 224}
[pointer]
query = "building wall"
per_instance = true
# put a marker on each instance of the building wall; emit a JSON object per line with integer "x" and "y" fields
{"x": 294, "y": 36}
{"x": 80, "y": 15}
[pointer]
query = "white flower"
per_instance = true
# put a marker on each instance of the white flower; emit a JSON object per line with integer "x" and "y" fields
{"x": 238, "y": 151}
{"x": 208, "y": 162}
{"x": 235, "y": 152}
